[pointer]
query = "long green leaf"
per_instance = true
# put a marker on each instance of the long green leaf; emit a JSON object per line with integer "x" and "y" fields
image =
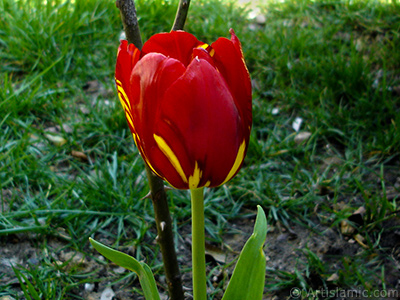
{"x": 143, "y": 271}
{"x": 248, "y": 279}
{"x": 28, "y": 289}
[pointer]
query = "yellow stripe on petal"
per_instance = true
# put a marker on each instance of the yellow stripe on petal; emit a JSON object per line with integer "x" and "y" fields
{"x": 212, "y": 52}
{"x": 152, "y": 168}
{"x": 194, "y": 179}
{"x": 237, "y": 163}
{"x": 208, "y": 48}
{"x": 204, "y": 46}
{"x": 123, "y": 98}
{"x": 170, "y": 156}
{"x": 129, "y": 118}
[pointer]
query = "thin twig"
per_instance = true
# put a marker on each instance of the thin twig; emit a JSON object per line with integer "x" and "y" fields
{"x": 129, "y": 20}
{"x": 157, "y": 190}
{"x": 165, "y": 236}
{"x": 181, "y": 15}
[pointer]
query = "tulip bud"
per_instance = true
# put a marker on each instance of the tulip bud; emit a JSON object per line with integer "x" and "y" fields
{"x": 188, "y": 106}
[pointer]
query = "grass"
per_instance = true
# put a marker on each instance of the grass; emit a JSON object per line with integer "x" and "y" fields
{"x": 334, "y": 64}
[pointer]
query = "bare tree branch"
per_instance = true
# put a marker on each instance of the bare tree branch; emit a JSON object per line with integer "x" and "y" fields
{"x": 129, "y": 20}
{"x": 157, "y": 191}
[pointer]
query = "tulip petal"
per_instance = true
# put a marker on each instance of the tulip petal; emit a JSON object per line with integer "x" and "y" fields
{"x": 175, "y": 44}
{"x": 201, "y": 125}
{"x": 238, "y": 161}
{"x": 150, "y": 78}
{"x": 201, "y": 53}
{"x": 127, "y": 57}
{"x": 230, "y": 62}
{"x": 194, "y": 179}
{"x": 166, "y": 150}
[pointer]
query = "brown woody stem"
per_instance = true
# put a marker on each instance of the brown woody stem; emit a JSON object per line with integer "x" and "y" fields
{"x": 181, "y": 15}
{"x": 129, "y": 20}
{"x": 158, "y": 195}
{"x": 165, "y": 236}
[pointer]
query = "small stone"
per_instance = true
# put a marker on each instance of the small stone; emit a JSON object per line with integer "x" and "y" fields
{"x": 100, "y": 257}
{"x": 261, "y": 19}
{"x": 275, "y": 111}
{"x": 107, "y": 294}
{"x": 89, "y": 287}
{"x": 119, "y": 270}
{"x": 297, "y": 123}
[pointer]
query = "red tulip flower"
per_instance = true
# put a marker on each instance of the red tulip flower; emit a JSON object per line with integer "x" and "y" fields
{"x": 188, "y": 106}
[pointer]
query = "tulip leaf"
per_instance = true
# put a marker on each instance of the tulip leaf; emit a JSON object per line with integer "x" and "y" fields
{"x": 143, "y": 271}
{"x": 248, "y": 279}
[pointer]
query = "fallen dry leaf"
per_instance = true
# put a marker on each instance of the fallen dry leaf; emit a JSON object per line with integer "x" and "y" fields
{"x": 216, "y": 253}
{"x": 360, "y": 239}
{"x": 333, "y": 160}
{"x": 333, "y": 277}
{"x": 346, "y": 228}
{"x": 56, "y": 139}
{"x": 361, "y": 210}
{"x": 302, "y": 137}
{"x": 80, "y": 155}
{"x": 92, "y": 86}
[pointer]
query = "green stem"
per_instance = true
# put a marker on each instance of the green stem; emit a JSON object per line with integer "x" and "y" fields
{"x": 198, "y": 245}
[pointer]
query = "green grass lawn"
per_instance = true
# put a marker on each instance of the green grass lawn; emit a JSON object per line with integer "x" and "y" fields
{"x": 69, "y": 168}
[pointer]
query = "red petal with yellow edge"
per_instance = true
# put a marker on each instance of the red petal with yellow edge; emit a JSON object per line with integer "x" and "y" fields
{"x": 150, "y": 78}
{"x": 201, "y": 53}
{"x": 229, "y": 61}
{"x": 175, "y": 44}
{"x": 200, "y": 124}
{"x": 127, "y": 57}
